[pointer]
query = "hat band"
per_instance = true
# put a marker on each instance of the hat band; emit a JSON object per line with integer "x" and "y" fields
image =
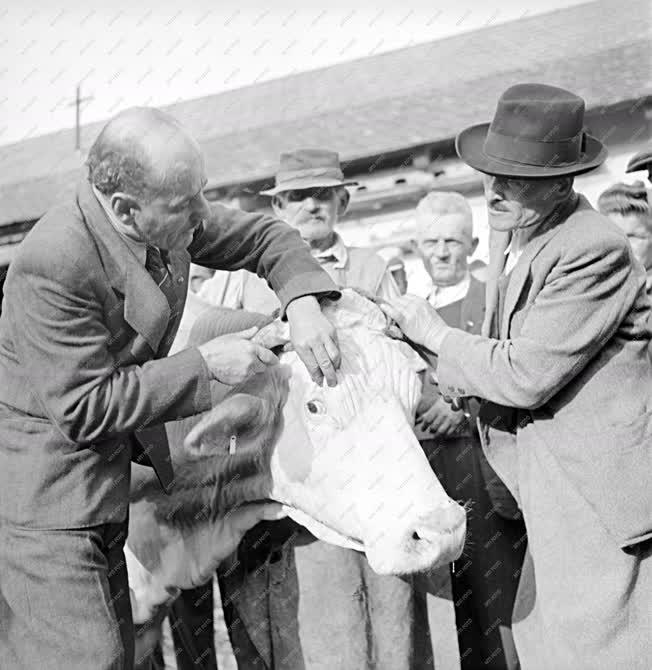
{"x": 309, "y": 173}
{"x": 533, "y": 152}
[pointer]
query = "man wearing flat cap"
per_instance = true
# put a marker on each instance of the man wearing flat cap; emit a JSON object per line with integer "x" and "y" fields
{"x": 565, "y": 383}
{"x": 292, "y": 601}
{"x": 641, "y": 161}
{"x": 309, "y": 195}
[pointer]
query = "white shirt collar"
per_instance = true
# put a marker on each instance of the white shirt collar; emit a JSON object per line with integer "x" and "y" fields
{"x": 139, "y": 249}
{"x": 440, "y": 296}
{"x": 337, "y": 254}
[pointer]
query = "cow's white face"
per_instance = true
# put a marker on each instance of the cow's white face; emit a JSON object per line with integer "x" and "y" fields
{"x": 344, "y": 459}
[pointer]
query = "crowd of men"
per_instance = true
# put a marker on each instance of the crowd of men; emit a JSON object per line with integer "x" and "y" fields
{"x": 537, "y": 409}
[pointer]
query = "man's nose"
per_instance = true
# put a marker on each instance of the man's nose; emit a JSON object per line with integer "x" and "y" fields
{"x": 311, "y": 204}
{"x": 441, "y": 250}
{"x": 201, "y": 208}
{"x": 494, "y": 185}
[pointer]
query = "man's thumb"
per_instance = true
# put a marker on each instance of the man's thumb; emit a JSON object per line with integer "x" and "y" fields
{"x": 246, "y": 334}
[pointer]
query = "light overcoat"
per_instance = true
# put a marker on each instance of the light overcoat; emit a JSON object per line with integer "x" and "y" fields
{"x": 568, "y": 427}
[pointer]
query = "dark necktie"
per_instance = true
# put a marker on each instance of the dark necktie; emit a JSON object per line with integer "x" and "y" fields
{"x": 157, "y": 266}
{"x": 152, "y": 448}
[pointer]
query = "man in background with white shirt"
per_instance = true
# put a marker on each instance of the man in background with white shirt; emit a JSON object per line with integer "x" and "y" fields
{"x": 486, "y": 577}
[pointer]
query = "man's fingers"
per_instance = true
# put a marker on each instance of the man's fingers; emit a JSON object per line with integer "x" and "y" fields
{"x": 245, "y": 334}
{"x": 266, "y": 356}
{"x": 325, "y": 364}
{"x": 427, "y": 418}
{"x": 333, "y": 350}
{"x": 391, "y": 311}
{"x": 310, "y": 362}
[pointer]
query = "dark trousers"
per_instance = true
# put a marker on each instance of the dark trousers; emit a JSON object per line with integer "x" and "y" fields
{"x": 487, "y": 574}
{"x": 191, "y": 622}
{"x": 64, "y": 599}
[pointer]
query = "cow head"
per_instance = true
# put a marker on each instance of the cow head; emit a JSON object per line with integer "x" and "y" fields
{"x": 343, "y": 460}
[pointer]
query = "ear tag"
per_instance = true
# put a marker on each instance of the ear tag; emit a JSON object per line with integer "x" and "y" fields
{"x": 232, "y": 444}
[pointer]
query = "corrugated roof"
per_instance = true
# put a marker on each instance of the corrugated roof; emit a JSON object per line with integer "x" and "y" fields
{"x": 375, "y": 105}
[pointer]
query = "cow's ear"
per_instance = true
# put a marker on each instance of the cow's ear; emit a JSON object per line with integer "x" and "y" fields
{"x": 232, "y": 416}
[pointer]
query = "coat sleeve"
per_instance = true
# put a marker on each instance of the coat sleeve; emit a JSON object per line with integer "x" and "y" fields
{"x": 232, "y": 239}
{"x": 585, "y": 297}
{"x": 64, "y": 350}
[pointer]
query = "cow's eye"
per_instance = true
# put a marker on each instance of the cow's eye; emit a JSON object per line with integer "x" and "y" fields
{"x": 316, "y": 407}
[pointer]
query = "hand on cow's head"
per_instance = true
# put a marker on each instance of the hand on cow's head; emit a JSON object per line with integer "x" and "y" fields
{"x": 275, "y": 335}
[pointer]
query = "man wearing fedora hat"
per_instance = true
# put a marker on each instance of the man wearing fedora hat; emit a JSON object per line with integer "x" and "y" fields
{"x": 349, "y": 617}
{"x": 565, "y": 383}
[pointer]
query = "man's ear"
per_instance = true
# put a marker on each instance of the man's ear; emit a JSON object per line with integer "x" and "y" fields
{"x": 343, "y": 201}
{"x": 124, "y": 207}
{"x": 565, "y": 187}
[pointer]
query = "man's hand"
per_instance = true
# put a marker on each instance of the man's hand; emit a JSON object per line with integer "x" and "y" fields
{"x": 442, "y": 420}
{"x": 234, "y": 358}
{"x": 314, "y": 338}
{"x": 418, "y": 320}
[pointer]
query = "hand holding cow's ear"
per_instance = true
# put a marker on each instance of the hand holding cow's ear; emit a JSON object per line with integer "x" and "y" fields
{"x": 314, "y": 338}
{"x": 418, "y": 320}
{"x": 233, "y": 358}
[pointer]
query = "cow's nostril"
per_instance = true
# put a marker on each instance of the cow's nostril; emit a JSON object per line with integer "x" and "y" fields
{"x": 416, "y": 536}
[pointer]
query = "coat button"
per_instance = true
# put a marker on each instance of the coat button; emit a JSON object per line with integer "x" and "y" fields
{"x": 179, "y": 280}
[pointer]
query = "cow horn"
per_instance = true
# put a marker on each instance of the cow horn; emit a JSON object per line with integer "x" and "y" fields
{"x": 213, "y": 432}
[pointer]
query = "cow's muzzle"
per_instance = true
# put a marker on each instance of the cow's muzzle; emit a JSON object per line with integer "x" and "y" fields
{"x": 431, "y": 540}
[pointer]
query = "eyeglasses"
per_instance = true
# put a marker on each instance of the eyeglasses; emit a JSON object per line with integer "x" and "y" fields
{"x": 321, "y": 194}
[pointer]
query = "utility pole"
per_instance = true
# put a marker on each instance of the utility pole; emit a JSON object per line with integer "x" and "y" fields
{"x": 78, "y": 101}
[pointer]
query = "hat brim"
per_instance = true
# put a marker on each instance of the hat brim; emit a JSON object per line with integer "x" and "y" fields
{"x": 298, "y": 184}
{"x": 469, "y": 146}
{"x": 641, "y": 161}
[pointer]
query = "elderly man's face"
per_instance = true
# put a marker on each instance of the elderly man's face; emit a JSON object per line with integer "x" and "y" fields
{"x": 445, "y": 245}
{"x": 312, "y": 211}
{"x": 169, "y": 216}
{"x": 638, "y": 228}
{"x": 520, "y": 203}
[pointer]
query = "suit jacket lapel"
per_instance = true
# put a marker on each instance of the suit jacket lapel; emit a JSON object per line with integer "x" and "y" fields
{"x": 146, "y": 308}
{"x": 498, "y": 243}
{"x": 519, "y": 275}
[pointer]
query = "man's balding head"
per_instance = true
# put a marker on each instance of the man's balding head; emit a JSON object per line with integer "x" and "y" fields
{"x": 152, "y": 173}
{"x": 139, "y": 151}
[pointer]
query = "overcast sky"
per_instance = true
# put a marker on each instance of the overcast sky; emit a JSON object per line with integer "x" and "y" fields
{"x": 156, "y": 53}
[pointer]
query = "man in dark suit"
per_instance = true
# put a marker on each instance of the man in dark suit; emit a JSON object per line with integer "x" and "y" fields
{"x": 566, "y": 383}
{"x": 92, "y": 302}
{"x": 486, "y": 577}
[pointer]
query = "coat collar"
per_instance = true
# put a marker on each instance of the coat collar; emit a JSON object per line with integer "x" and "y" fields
{"x": 521, "y": 270}
{"x": 146, "y": 308}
